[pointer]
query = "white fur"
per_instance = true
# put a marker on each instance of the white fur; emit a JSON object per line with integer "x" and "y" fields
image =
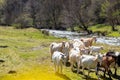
{"x": 89, "y": 61}
{"x": 56, "y": 47}
{"x": 96, "y": 49}
{"x": 74, "y": 57}
{"x": 57, "y": 59}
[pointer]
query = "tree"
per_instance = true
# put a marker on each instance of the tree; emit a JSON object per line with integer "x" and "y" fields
{"x": 1, "y": 12}
{"x": 52, "y": 11}
{"x": 12, "y": 9}
{"x": 77, "y": 11}
{"x": 111, "y": 11}
{"x": 32, "y": 9}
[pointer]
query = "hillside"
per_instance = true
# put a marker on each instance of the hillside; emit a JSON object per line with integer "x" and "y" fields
{"x": 26, "y": 55}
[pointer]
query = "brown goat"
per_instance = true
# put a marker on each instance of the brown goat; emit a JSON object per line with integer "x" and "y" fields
{"x": 88, "y": 41}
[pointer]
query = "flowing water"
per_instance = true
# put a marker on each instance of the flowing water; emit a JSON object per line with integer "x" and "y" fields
{"x": 74, "y": 35}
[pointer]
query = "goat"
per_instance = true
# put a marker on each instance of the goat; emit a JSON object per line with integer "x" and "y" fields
{"x": 56, "y": 47}
{"x": 78, "y": 43}
{"x": 68, "y": 46}
{"x": 88, "y": 41}
{"x": 57, "y": 59}
{"x": 89, "y": 61}
{"x": 94, "y": 49}
{"x": 108, "y": 59}
{"x": 74, "y": 57}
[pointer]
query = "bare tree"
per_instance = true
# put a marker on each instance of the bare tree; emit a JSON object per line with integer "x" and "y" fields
{"x": 77, "y": 11}
{"x": 52, "y": 11}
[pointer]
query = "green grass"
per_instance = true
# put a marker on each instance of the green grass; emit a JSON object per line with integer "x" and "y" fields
{"x": 27, "y": 53}
{"x": 106, "y": 28}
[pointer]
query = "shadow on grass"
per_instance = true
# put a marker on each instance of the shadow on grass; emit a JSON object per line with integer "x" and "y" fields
{"x": 3, "y": 46}
{"x": 86, "y": 77}
{"x": 62, "y": 76}
{"x": 89, "y": 77}
{"x": 116, "y": 76}
{"x": 105, "y": 78}
{"x": 67, "y": 64}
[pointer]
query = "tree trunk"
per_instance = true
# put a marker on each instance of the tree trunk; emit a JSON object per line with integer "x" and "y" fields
{"x": 113, "y": 26}
{"x": 54, "y": 21}
{"x": 84, "y": 27}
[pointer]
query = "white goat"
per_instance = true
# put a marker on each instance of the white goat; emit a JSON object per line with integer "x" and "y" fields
{"x": 96, "y": 49}
{"x": 56, "y": 47}
{"x": 78, "y": 43}
{"x": 74, "y": 57}
{"x": 85, "y": 50}
{"x": 68, "y": 46}
{"x": 57, "y": 59}
{"x": 89, "y": 61}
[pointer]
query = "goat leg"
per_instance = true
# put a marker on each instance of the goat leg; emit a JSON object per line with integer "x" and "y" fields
{"x": 109, "y": 73}
{"x": 115, "y": 71}
{"x": 104, "y": 73}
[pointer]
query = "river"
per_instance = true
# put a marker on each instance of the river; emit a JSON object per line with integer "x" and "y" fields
{"x": 74, "y": 35}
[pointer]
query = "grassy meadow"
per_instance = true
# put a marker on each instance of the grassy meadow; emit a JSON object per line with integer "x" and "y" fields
{"x": 26, "y": 55}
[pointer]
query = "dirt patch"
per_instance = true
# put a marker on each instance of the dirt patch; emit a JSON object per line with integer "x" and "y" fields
{"x": 33, "y": 48}
{"x": 37, "y": 48}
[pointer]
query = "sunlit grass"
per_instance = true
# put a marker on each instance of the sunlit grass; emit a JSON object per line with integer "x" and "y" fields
{"x": 100, "y": 27}
{"x": 105, "y": 28}
{"x": 114, "y": 34}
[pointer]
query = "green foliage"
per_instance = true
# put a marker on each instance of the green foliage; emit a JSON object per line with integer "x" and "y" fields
{"x": 100, "y": 27}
